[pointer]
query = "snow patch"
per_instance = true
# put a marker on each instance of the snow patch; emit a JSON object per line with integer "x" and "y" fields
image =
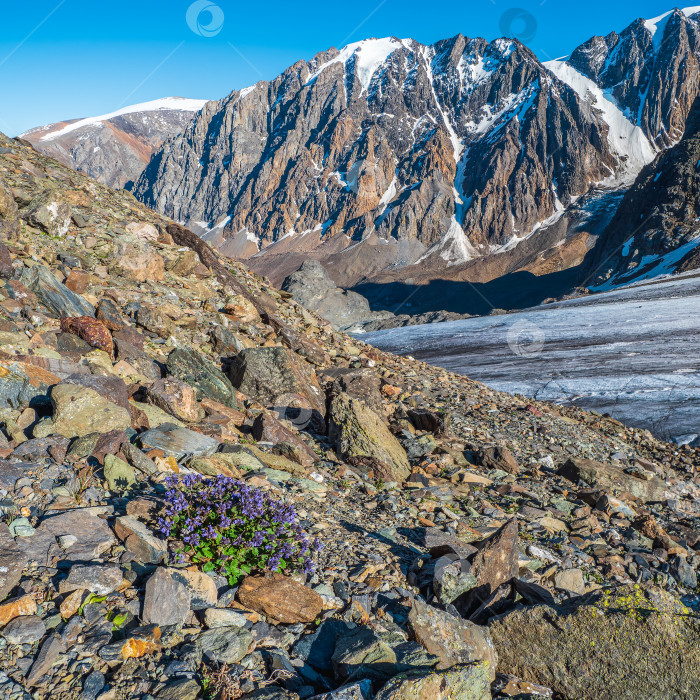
{"x": 369, "y": 55}
{"x": 657, "y": 26}
{"x": 626, "y": 140}
{"x": 650, "y": 267}
{"x": 454, "y": 247}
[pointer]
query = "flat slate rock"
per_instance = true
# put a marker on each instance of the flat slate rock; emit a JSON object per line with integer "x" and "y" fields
{"x": 93, "y": 537}
{"x": 178, "y": 442}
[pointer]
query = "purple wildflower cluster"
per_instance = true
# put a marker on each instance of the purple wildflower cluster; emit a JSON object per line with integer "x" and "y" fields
{"x": 234, "y": 529}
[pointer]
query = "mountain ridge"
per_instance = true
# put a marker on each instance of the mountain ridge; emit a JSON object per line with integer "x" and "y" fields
{"x": 114, "y": 148}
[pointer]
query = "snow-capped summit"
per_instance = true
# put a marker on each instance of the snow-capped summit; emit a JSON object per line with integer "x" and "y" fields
{"x": 114, "y": 148}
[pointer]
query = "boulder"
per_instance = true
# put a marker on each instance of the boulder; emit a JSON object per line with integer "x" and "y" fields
{"x": 23, "y": 384}
{"x": 623, "y": 643}
{"x": 194, "y": 369}
{"x": 111, "y": 388}
{"x": 24, "y": 630}
{"x": 119, "y": 475}
{"x": 141, "y": 229}
{"x": 155, "y": 321}
{"x": 266, "y": 428}
{"x": 166, "y": 601}
{"x": 17, "y": 607}
{"x": 137, "y": 358}
{"x": 278, "y": 377}
{"x": 361, "y": 438}
{"x": 50, "y": 213}
{"x": 48, "y": 655}
{"x": 201, "y": 587}
{"x": 92, "y": 331}
{"x": 496, "y": 562}
{"x": 280, "y": 598}
{"x": 609, "y": 478}
{"x": 108, "y": 312}
{"x": 451, "y": 639}
{"x": 178, "y": 442}
{"x": 363, "y": 384}
{"x": 78, "y": 411}
{"x": 463, "y": 682}
{"x": 54, "y": 295}
{"x": 225, "y": 645}
{"x": 90, "y": 537}
{"x": 134, "y": 258}
{"x": 139, "y": 540}
{"x": 6, "y": 269}
{"x": 12, "y": 562}
{"x": 9, "y": 214}
{"x": 176, "y": 398}
{"x": 498, "y": 457}
{"x": 100, "y": 579}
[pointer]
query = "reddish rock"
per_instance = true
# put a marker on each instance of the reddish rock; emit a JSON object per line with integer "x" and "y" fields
{"x": 176, "y": 398}
{"x": 109, "y": 444}
{"x": 280, "y": 598}
{"x": 15, "y": 607}
{"x": 266, "y": 428}
{"x": 77, "y": 281}
{"x": 92, "y": 331}
{"x": 497, "y": 559}
{"x": 108, "y": 312}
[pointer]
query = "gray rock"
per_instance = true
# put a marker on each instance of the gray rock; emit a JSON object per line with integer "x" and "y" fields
{"x": 317, "y": 648}
{"x": 451, "y": 578}
{"x": 226, "y": 645}
{"x": 311, "y": 286}
{"x": 278, "y": 377}
{"x": 101, "y": 579}
{"x": 12, "y": 562}
{"x": 9, "y": 222}
{"x": 463, "y": 681}
{"x": 25, "y": 629}
{"x": 361, "y": 438}
{"x": 54, "y": 295}
{"x": 684, "y": 573}
{"x": 48, "y": 655}
{"x": 641, "y": 642}
{"x": 610, "y": 478}
{"x": 140, "y": 541}
{"x": 119, "y": 475}
{"x": 93, "y": 686}
{"x": 184, "y": 689}
{"x": 178, "y": 442}
{"x": 362, "y": 690}
{"x": 50, "y": 213}
{"x": 363, "y": 653}
{"x": 453, "y": 640}
{"x": 93, "y": 536}
{"x": 223, "y": 617}
{"x": 23, "y": 385}
{"x": 166, "y": 601}
{"x": 194, "y": 369}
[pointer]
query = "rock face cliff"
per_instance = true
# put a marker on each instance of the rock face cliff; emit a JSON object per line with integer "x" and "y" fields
{"x": 115, "y": 148}
{"x": 390, "y": 159}
{"x": 651, "y": 70}
{"x": 444, "y": 152}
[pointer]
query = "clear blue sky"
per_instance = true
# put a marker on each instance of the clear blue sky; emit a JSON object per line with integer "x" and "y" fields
{"x": 76, "y": 58}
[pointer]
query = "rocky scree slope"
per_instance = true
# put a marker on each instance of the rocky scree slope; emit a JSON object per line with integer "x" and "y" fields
{"x": 476, "y": 545}
{"x": 115, "y": 148}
